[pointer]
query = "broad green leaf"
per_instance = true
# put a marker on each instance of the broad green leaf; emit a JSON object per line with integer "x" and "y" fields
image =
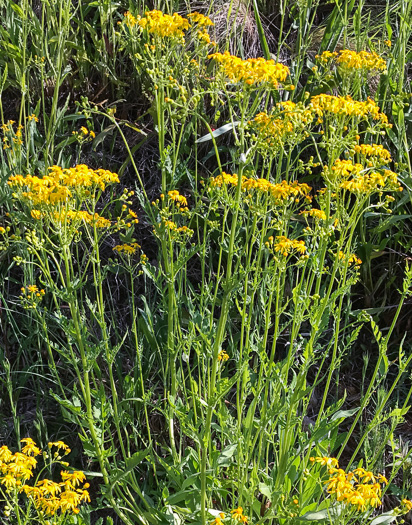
{"x": 343, "y": 414}
{"x": 217, "y": 132}
{"x": 226, "y": 455}
{"x": 383, "y": 519}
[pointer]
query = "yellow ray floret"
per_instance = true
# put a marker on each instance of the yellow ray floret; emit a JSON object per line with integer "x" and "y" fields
{"x": 251, "y": 71}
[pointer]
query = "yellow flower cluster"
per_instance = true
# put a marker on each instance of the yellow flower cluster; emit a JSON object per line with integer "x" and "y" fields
{"x": 359, "y": 488}
{"x": 10, "y": 135}
{"x": 374, "y": 150}
{"x": 287, "y": 246}
{"x": 175, "y": 196}
{"x": 128, "y": 249}
{"x": 84, "y": 134}
{"x": 31, "y": 296}
{"x": 32, "y": 289}
{"x": 345, "y": 106}
{"x": 129, "y": 19}
{"x": 373, "y": 181}
{"x": 363, "y": 60}
{"x": 159, "y": 24}
{"x": 223, "y": 356}
{"x": 253, "y": 71}
{"x": 218, "y": 519}
{"x": 285, "y": 126}
{"x": 59, "y": 185}
{"x": 172, "y": 226}
{"x": 352, "y": 259}
{"x": 351, "y": 60}
{"x": 342, "y": 169}
{"x": 280, "y": 192}
{"x": 71, "y": 216}
{"x": 315, "y": 213}
{"x": 199, "y": 19}
{"x": 48, "y": 496}
{"x": 169, "y": 26}
{"x": 237, "y": 515}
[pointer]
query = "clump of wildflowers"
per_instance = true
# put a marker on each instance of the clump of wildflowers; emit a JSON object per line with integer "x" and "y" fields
{"x": 237, "y": 514}
{"x": 360, "y": 488}
{"x": 60, "y": 185}
{"x": 84, "y": 135}
{"x": 286, "y": 126}
{"x": 222, "y": 356}
{"x": 286, "y": 246}
{"x": 349, "y": 60}
{"x": 253, "y": 71}
{"x": 373, "y": 151}
{"x": 323, "y": 104}
{"x": 279, "y": 192}
{"x": 31, "y": 296}
{"x": 160, "y": 24}
{"x": 48, "y": 497}
{"x": 127, "y": 249}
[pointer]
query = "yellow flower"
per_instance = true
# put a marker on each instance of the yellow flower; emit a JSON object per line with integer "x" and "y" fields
{"x": 128, "y": 249}
{"x": 279, "y": 192}
{"x": 33, "y": 117}
{"x": 374, "y": 150}
{"x": 73, "y": 478}
{"x": 237, "y": 514}
{"x": 5, "y": 454}
{"x": 349, "y": 60}
{"x": 49, "y": 487}
{"x": 60, "y": 185}
{"x": 69, "y": 501}
{"x": 30, "y": 446}
{"x": 316, "y": 214}
{"x": 36, "y": 214}
{"x": 352, "y": 259}
{"x": 407, "y": 503}
{"x": 253, "y": 71}
{"x": 345, "y": 106}
{"x": 180, "y": 200}
{"x": 162, "y": 25}
{"x": 199, "y": 19}
{"x": 326, "y": 461}
{"x": 286, "y": 246}
{"x": 60, "y": 445}
{"x": 222, "y": 356}
{"x": 286, "y": 125}
{"x": 8, "y": 481}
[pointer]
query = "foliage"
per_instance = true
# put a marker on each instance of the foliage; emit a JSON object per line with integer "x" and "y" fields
{"x": 194, "y": 329}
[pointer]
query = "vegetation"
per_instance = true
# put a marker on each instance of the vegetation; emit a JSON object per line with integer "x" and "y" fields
{"x": 205, "y": 237}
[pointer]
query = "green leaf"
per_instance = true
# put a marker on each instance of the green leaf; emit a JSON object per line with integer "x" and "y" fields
{"x": 218, "y": 132}
{"x": 261, "y": 31}
{"x": 265, "y": 490}
{"x": 315, "y": 516}
{"x": 131, "y": 464}
{"x": 335, "y": 27}
{"x": 383, "y": 519}
{"x": 226, "y": 455}
{"x": 343, "y": 414}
